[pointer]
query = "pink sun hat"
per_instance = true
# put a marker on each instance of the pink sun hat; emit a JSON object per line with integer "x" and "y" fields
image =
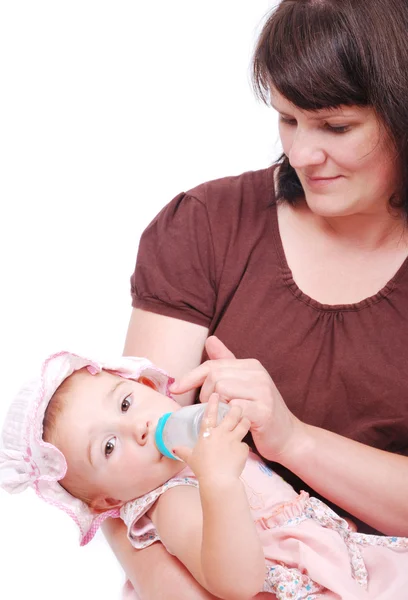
{"x": 27, "y": 461}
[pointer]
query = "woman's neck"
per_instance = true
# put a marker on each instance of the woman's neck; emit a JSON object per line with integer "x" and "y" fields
{"x": 367, "y": 231}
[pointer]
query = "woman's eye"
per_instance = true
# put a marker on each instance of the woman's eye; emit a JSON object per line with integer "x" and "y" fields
{"x": 126, "y": 402}
{"x": 287, "y": 121}
{"x": 110, "y": 446}
{"x": 338, "y": 128}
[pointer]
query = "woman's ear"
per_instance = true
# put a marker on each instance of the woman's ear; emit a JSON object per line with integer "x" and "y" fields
{"x": 102, "y": 504}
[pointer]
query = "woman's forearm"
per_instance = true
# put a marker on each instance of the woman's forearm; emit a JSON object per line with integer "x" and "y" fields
{"x": 154, "y": 573}
{"x": 369, "y": 483}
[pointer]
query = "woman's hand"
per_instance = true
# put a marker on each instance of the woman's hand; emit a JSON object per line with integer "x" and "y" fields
{"x": 220, "y": 454}
{"x": 245, "y": 383}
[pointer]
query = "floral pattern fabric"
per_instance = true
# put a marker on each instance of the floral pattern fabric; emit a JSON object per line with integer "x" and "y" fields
{"x": 280, "y": 515}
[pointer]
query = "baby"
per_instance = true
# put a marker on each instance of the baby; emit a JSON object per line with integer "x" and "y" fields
{"x": 82, "y": 436}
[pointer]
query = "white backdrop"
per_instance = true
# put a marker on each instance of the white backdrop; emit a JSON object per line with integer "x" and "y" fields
{"x": 108, "y": 110}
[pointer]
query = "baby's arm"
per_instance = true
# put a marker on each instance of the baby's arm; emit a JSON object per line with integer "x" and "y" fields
{"x": 211, "y": 530}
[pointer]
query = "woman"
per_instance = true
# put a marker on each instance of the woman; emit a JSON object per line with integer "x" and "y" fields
{"x": 303, "y": 266}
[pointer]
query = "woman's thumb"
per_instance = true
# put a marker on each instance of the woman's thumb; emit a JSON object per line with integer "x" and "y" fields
{"x": 249, "y": 408}
{"x": 216, "y": 349}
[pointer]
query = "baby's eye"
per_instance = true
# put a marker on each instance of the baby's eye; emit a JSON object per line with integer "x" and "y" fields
{"x": 110, "y": 446}
{"x": 126, "y": 402}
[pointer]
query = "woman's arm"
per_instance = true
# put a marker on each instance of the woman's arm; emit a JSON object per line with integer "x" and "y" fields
{"x": 369, "y": 483}
{"x": 153, "y": 572}
{"x": 174, "y": 345}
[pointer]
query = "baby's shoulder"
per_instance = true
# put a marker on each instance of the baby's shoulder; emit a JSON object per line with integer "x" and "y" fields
{"x": 141, "y": 517}
{"x": 171, "y": 506}
{"x": 133, "y": 510}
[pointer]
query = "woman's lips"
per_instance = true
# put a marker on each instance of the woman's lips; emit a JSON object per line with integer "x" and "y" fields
{"x": 319, "y": 182}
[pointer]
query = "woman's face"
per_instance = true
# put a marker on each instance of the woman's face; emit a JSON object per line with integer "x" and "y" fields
{"x": 343, "y": 157}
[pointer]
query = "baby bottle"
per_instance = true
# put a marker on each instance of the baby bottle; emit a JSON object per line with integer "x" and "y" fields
{"x": 181, "y": 428}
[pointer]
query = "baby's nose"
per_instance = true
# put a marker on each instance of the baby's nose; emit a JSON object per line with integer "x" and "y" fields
{"x": 141, "y": 432}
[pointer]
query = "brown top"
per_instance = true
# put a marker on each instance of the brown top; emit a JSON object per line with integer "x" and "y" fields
{"x": 214, "y": 256}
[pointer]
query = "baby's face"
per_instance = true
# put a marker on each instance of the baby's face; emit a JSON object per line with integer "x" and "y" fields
{"x": 106, "y": 433}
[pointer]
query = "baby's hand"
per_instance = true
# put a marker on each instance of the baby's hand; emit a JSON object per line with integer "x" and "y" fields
{"x": 220, "y": 454}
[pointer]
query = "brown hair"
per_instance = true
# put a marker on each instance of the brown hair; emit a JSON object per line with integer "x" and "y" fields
{"x": 326, "y": 53}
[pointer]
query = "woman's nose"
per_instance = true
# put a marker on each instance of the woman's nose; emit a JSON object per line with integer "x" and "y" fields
{"x": 305, "y": 150}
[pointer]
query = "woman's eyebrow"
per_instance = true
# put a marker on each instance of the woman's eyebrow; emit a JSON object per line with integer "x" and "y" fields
{"x": 319, "y": 115}
{"x": 331, "y": 114}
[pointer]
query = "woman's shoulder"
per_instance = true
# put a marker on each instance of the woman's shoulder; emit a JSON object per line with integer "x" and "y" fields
{"x": 196, "y": 239}
{"x": 215, "y": 207}
{"x": 254, "y": 188}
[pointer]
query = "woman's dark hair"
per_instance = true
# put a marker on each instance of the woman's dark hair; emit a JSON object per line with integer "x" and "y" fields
{"x": 326, "y": 53}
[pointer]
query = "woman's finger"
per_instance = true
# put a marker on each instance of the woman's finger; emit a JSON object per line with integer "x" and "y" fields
{"x": 242, "y": 428}
{"x": 216, "y": 349}
{"x": 232, "y": 418}
{"x": 235, "y": 383}
{"x": 251, "y": 410}
{"x": 191, "y": 380}
{"x": 199, "y": 375}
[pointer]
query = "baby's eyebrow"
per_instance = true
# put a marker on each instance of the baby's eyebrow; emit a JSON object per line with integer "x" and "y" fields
{"x": 107, "y": 400}
{"x": 111, "y": 393}
{"x": 89, "y": 454}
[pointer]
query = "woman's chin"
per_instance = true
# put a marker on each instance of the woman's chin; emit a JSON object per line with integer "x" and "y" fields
{"x": 330, "y": 207}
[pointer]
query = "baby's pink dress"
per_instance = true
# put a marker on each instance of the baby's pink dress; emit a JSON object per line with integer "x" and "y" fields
{"x": 310, "y": 552}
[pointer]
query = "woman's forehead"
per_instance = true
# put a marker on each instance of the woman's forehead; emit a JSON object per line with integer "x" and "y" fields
{"x": 282, "y": 104}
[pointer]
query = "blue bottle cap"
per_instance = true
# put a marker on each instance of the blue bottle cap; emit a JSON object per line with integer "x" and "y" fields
{"x": 158, "y": 437}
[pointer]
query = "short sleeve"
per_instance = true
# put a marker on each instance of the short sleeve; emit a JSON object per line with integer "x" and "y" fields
{"x": 174, "y": 273}
{"x": 140, "y": 530}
